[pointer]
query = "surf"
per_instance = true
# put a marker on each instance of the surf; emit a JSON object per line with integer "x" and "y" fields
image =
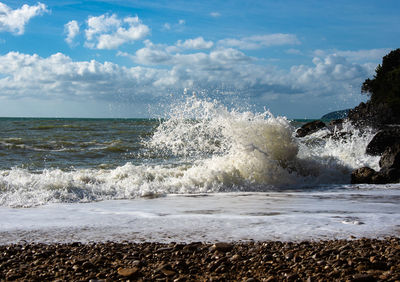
{"x": 201, "y": 146}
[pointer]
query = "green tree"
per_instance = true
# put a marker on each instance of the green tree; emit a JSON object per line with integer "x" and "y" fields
{"x": 385, "y": 86}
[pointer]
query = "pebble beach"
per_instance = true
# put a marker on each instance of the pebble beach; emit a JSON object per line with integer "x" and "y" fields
{"x": 332, "y": 260}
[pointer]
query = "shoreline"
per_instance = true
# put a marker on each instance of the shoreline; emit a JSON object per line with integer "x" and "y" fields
{"x": 362, "y": 259}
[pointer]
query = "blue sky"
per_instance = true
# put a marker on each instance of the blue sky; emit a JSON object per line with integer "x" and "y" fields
{"x": 300, "y": 59}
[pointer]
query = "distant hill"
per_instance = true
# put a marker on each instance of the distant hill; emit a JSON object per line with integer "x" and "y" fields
{"x": 336, "y": 114}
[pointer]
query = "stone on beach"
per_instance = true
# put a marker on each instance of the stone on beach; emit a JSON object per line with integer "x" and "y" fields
{"x": 338, "y": 260}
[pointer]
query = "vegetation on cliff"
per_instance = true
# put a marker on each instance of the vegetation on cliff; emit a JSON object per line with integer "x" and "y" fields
{"x": 384, "y": 91}
{"x": 385, "y": 86}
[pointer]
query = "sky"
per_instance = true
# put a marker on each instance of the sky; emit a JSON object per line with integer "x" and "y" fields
{"x": 127, "y": 59}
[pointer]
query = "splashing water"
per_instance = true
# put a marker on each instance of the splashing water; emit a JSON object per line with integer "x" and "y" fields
{"x": 202, "y": 147}
{"x": 254, "y": 151}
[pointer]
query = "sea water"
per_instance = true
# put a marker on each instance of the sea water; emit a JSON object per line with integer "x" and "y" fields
{"x": 202, "y": 173}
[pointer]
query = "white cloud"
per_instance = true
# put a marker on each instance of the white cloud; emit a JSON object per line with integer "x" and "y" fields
{"x": 176, "y": 26}
{"x": 330, "y": 75}
{"x": 215, "y": 14}
{"x": 260, "y": 41}
{"x": 167, "y": 26}
{"x": 15, "y": 20}
{"x": 59, "y": 76}
{"x": 101, "y": 24}
{"x": 72, "y": 30}
{"x": 196, "y": 43}
{"x": 110, "y": 32}
{"x": 365, "y": 55}
{"x": 153, "y": 54}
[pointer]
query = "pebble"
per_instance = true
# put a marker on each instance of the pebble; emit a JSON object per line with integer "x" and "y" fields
{"x": 334, "y": 260}
{"x": 223, "y": 247}
{"x": 127, "y": 272}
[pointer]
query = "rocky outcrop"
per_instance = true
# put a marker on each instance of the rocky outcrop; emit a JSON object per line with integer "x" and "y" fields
{"x": 374, "y": 115}
{"x": 310, "y": 128}
{"x": 383, "y": 140}
{"x": 391, "y": 157}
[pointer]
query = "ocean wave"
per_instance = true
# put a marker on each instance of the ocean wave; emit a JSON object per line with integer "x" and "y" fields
{"x": 206, "y": 148}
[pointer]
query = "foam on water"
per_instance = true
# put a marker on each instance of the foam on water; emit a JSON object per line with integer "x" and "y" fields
{"x": 205, "y": 148}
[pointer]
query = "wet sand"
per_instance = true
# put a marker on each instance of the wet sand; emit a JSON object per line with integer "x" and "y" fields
{"x": 340, "y": 260}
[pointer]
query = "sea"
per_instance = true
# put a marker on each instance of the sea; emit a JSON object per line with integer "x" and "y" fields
{"x": 202, "y": 172}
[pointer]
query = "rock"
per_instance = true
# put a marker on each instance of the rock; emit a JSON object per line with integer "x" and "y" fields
{"x": 391, "y": 157}
{"x": 335, "y": 260}
{"x": 386, "y": 175}
{"x": 363, "y": 278}
{"x": 375, "y": 115}
{"x": 223, "y": 247}
{"x": 310, "y": 128}
{"x": 166, "y": 269}
{"x": 235, "y": 257}
{"x": 168, "y": 272}
{"x": 127, "y": 272}
{"x": 382, "y": 140}
{"x": 362, "y": 175}
{"x": 88, "y": 265}
{"x": 335, "y": 124}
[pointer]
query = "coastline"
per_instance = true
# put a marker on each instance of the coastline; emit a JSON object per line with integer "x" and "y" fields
{"x": 351, "y": 260}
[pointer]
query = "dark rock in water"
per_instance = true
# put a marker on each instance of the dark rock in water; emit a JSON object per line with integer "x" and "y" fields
{"x": 386, "y": 175}
{"x": 336, "y": 115}
{"x": 335, "y": 125}
{"x": 382, "y": 140}
{"x": 310, "y": 128}
{"x": 335, "y": 122}
{"x": 387, "y": 144}
{"x": 391, "y": 157}
{"x": 362, "y": 175}
{"x": 367, "y": 175}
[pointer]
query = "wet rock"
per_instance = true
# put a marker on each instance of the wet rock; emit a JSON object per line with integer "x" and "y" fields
{"x": 363, "y": 175}
{"x": 391, "y": 157}
{"x": 336, "y": 124}
{"x": 382, "y": 140}
{"x": 386, "y": 175}
{"x": 310, "y": 128}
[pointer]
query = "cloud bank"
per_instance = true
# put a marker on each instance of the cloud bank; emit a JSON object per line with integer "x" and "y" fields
{"x": 221, "y": 67}
{"x": 59, "y": 76}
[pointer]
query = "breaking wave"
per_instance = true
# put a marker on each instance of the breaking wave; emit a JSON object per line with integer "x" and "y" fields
{"x": 203, "y": 147}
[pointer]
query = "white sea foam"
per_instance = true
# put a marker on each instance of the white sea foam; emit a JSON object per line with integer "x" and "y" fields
{"x": 207, "y": 148}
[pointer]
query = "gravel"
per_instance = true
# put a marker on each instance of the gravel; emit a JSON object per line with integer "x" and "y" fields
{"x": 333, "y": 260}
